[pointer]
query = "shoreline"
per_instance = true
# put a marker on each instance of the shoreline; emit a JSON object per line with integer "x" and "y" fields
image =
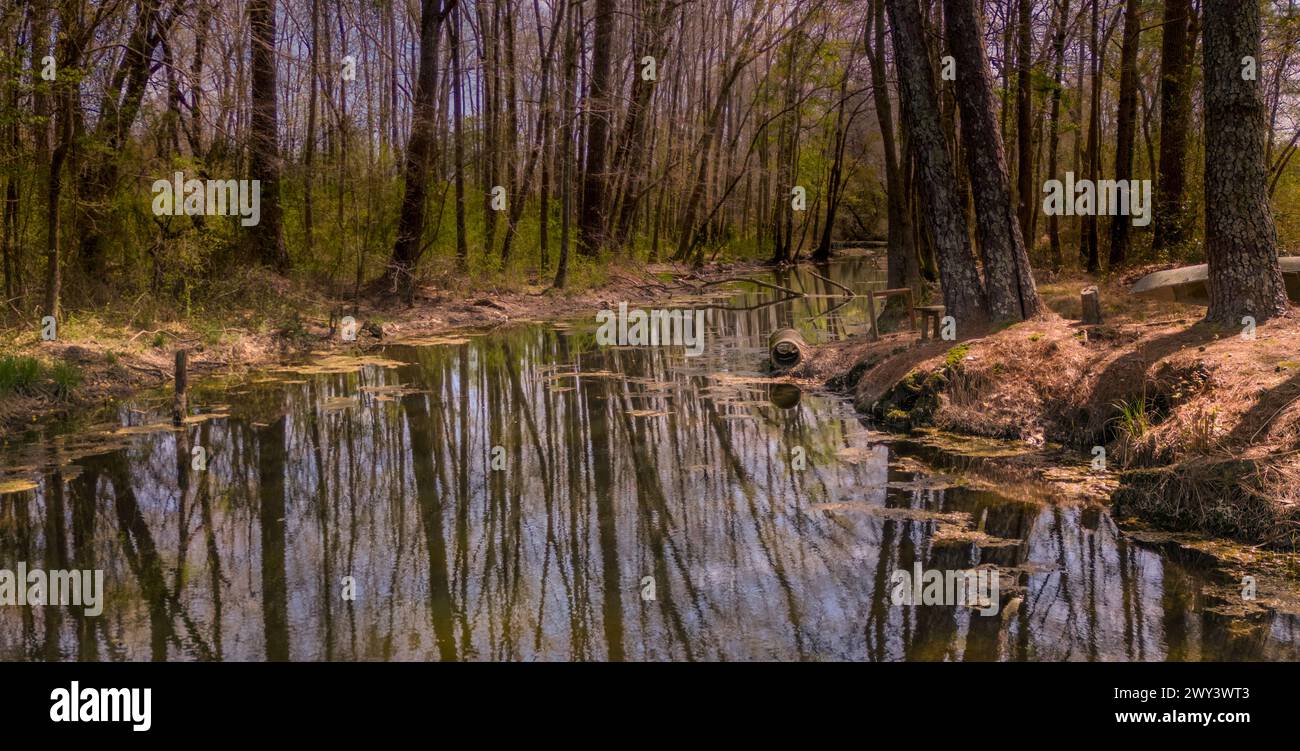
{"x": 115, "y": 362}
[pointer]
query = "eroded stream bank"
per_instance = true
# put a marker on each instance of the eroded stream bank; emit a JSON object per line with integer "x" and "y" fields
{"x": 526, "y": 494}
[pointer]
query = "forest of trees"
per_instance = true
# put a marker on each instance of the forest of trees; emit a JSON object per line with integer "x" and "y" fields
{"x": 406, "y": 143}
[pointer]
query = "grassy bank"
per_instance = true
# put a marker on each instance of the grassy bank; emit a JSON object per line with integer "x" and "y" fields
{"x": 1201, "y": 425}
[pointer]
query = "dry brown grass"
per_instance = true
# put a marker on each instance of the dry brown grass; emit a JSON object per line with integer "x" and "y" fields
{"x": 1153, "y": 384}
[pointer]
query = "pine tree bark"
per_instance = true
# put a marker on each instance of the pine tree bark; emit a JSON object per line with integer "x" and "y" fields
{"x": 1008, "y": 280}
{"x": 963, "y": 292}
{"x": 1240, "y": 239}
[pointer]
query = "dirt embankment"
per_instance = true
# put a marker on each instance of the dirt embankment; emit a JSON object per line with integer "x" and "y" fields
{"x": 111, "y": 360}
{"x": 1202, "y": 424}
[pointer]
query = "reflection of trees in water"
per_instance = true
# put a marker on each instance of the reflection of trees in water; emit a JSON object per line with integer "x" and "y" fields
{"x": 544, "y": 559}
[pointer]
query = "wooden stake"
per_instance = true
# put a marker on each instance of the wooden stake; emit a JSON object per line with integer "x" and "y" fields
{"x": 871, "y": 313}
{"x": 1091, "y": 306}
{"x": 180, "y": 406}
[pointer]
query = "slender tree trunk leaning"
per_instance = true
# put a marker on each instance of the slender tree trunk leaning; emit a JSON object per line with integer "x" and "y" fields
{"x": 1008, "y": 280}
{"x": 1240, "y": 239}
{"x": 632, "y": 145}
{"x": 98, "y": 170}
{"x": 517, "y": 200}
{"x": 902, "y": 268}
{"x": 267, "y": 235}
{"x": 419, "y": 150}
{"x": 834, "y": 182}
{"x": 963, "y": 292}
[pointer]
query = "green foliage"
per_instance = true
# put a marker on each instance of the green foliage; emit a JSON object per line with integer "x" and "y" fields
{"x": 1133, "y": 419}
{"x": 19, "y": 374}
{"x": 28, "y": 377}
{"x": 66, "y": 377}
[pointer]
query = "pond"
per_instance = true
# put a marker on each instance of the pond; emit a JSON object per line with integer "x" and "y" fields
{"x": 527, "y": 494}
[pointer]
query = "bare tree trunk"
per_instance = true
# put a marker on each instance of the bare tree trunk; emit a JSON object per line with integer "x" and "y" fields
{"x": 835, "y": 181}
{"x": 99, "y": 171}
{"x": 632, "y": 149}
{"x": 1240, "y": 239}
{"x": 267, "y": 235}
{"x": 963, "y": 293}
{"x": 11, "y": 58}
{"x": 1026, "y": 194}
{"x": 1088, "y": 223}
{"x": 309, "y": 144}
{"x": 787, "y": 154}
{"x": 567, "y": 115}
{"x": 592, "y": 219}
{"x": 1176, "y": 48}
{"x": 1126, "y": 128}
{"x": 419, "y": 150}
{"x": 902, "y": 269}
{"x": 458, "y": 140}
{"x": 1054, "y": 137}
{"x": 517, "y": 200}
{"x": 53, "y": 266}
{"x": 69, "y": 49}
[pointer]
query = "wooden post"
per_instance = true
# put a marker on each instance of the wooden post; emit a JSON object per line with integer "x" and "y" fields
{"x": 1091, "y": 306}
{"x": 871, "y": 313}
{"x": 180, "y": 406}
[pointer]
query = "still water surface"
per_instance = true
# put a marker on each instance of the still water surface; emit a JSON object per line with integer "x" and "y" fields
{"x": 645, "y": 508}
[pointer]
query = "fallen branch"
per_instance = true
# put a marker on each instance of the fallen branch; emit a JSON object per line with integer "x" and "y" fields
{"x": 756, "y": 306}
{"x": 831, "y": 282}
{"x": 730, "y": 279}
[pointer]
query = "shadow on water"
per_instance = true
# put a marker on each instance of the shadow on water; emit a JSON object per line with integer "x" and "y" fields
{"x": 530, "y": 495}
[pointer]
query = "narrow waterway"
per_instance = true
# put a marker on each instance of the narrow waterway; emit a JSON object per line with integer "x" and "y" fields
{"x": 526, "y": 494}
